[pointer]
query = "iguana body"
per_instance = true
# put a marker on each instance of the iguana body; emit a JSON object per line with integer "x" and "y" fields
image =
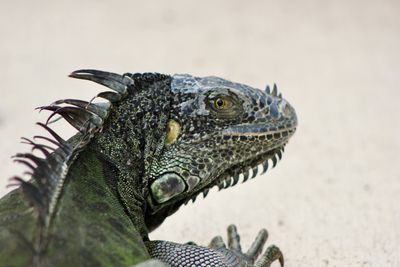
{"x": 162, "y": 141}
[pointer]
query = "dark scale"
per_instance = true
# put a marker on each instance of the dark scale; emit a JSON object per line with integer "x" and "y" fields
{"x": 157, "y": 142}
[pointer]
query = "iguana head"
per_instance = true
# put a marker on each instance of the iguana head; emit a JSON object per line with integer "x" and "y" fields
{"x": 218, "y": 130}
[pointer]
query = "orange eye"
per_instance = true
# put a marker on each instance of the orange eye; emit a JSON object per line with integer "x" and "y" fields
{"x": 221, "y": 103}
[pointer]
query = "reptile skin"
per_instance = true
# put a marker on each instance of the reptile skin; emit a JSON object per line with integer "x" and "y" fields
{"x": 157, "y": 142}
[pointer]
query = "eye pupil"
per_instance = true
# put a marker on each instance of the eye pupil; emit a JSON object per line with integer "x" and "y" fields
{"x": 220, "y": 103}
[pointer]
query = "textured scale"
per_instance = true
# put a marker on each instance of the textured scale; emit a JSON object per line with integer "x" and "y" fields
{"x": 155, "y": 144}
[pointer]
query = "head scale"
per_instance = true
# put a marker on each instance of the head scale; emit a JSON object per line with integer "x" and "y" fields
{"x": 217, "y": 130}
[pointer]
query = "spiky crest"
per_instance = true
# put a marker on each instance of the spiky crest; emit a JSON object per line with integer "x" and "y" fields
{"x": 48, "y": 173}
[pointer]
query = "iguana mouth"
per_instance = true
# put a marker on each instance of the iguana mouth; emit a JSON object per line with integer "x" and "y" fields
{"x": 243, "y": 171}
{"x": 257, "y": 130}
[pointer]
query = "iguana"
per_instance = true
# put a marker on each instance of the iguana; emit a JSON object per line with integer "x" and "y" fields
{"x": 155, "y": 143}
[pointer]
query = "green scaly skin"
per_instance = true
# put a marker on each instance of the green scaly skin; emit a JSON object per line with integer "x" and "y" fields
{"x": 91, "y": 228}
{"x": 161, "y": 142}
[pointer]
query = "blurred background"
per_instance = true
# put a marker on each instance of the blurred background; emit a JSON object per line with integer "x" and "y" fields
{"x": 334, "y": 199}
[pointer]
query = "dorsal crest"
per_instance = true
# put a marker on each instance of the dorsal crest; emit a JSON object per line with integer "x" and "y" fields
{"x": 48, "y": 173}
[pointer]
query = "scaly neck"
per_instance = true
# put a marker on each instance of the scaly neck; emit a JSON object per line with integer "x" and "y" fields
{"x": 131, "y": 139}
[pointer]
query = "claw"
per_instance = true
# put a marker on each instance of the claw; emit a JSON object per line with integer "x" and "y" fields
{"x": 272, "y": 254}
{"x": 233, "y": 238}
{"x": 234, "y": 250}
{"x": 217, "y": 242}
{"x": 257, "y": 246}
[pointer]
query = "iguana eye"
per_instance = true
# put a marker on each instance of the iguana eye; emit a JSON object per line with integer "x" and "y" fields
{"x": 222, "y": 103}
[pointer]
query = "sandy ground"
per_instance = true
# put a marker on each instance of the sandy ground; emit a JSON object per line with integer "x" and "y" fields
{"x": 334, "y": 199}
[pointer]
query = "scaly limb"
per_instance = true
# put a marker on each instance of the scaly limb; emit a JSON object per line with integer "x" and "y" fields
{"x": 249, "y": 258}
{"x": 217, "y": 254}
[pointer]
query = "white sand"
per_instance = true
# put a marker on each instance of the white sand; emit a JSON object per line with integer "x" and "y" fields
{"x": 334, "y": 199}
